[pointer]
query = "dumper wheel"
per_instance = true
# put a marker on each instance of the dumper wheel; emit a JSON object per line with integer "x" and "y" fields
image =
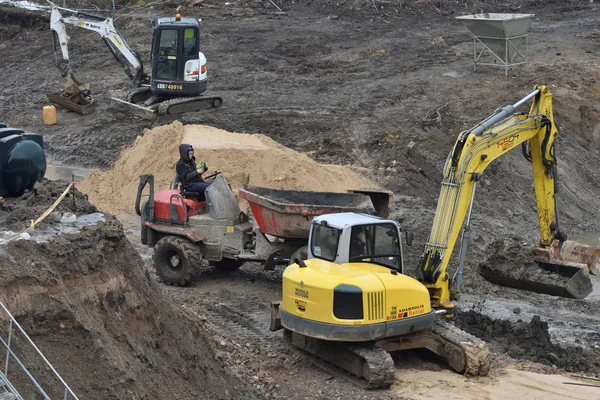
{"x": 300, "y": 254}
{"x": 228, "y": 264}
{"x": 177, "y": 260}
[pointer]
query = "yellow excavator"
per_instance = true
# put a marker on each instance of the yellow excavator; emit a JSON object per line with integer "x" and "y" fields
{"x": 350, "y": 302}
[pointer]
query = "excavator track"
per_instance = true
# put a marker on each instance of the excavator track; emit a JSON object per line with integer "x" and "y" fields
{"x": 143, "y": 103}
{"x": 365, "y": 365}
{"x": 369, "y": 365}
{"x": 465, "y": 353}
{"x": 188, "y": 104}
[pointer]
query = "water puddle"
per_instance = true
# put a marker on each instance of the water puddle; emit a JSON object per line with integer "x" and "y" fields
{"x": 56, "y": 172}
{"x": 43, "y": 235}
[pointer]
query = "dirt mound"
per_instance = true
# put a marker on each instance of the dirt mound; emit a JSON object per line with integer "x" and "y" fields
{"x": 242, "y": 158}
{"x": 15, "y": 210}
{"x": 529, "y": 341}
{"x": 89, "y": 305}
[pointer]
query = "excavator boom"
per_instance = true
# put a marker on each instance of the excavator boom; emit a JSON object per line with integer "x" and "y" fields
{"x": 473, "y": 151}
{"x": 102, "y": 26}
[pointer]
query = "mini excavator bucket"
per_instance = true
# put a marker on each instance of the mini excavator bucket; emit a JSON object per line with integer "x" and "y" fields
{"x": 75, "y": 97}
{"x": 564, "y": 273}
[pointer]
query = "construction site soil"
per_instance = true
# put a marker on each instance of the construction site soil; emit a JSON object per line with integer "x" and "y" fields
{"x": 528, "y": 340}
{"x": 88, "y": 304}
{"x": 345, "y": 82}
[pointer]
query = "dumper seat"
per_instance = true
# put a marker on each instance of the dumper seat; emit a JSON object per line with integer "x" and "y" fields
{"x": 176, "y": 184}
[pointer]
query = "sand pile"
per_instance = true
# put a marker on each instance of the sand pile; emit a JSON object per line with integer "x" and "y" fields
{"x": 242, "y": 158}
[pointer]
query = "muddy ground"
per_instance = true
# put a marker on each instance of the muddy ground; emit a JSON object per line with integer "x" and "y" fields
{"x": 83, "y": 295}
{"x": 347, "y": 83}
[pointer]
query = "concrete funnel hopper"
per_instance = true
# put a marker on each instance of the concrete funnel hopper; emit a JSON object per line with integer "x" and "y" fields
{"x": 494, "y": 30}
{"x": 490, "y": 27}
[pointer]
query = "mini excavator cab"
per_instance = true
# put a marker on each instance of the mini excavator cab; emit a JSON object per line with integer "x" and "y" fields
{"x": 361, "y": 256}
{"x": 178, "y": 66}
{"x": 349, "y": 237}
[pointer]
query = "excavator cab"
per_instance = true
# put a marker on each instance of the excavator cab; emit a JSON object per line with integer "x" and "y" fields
{"x": 356, "y": 238}
{"x": 178, "y": 66}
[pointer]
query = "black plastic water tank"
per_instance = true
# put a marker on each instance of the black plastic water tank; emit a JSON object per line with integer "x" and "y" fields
{"x": 22, "y": 161}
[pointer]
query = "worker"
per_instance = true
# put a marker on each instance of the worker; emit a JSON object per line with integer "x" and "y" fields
{"x": 358, "y": 242}
{"x": 188, "y": 173}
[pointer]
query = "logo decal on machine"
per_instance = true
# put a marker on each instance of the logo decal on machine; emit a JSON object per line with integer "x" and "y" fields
{"x": 406, "y": 312}
{"x": 301, "y": 305}
{"x": 117, "y": 40}
{"x": 505, "y": 143}
{"x": 301, "y": 293}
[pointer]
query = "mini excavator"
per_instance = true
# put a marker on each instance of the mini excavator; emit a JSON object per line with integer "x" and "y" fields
{"x": 350, "y": 302}
{"x": 178, "y": 73}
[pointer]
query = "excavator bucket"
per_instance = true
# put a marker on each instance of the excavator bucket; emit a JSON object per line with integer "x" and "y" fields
{"x": 548, "y": 274}
{"x": 578, "y": 284}
{"x": 75, "y": 97}
{"x": 570, "y": 281}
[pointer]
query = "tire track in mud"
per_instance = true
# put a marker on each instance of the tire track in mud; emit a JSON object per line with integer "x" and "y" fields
{"x": 234, "y": 323}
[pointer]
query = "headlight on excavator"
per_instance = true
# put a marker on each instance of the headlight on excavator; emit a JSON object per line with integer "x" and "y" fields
{"x": 348, "y": 302}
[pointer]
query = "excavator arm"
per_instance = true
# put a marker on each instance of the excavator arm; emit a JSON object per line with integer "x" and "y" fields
{"x": 473, "y": 151}
{"x": 105, "y": 28}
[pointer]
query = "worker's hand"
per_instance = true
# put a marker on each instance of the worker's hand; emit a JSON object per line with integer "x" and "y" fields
{"x": 201, "y": 171}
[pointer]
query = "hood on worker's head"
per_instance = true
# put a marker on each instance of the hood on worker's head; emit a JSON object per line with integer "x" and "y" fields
{"x": 183, "y": 151}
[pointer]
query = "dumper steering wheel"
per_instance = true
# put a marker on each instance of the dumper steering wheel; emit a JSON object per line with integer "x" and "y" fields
{"x": 213, "y": 175}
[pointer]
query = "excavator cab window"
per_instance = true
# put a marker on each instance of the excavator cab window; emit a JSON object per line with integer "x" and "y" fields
{"x": 376, "y": 243}
{"x": 190, "y": 42}
{"x": 324, "y": 242}
{"x": 167, "y": 54}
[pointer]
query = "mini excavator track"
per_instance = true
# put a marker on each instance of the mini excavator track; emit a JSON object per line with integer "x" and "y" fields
{"x": 363, "y": 364}
{"x": 143, "y": 103}
{"x": 188, "y": 104}
{"x": 370, "y": 366}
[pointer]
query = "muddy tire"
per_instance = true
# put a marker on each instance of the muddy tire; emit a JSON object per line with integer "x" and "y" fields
{"x": 228, "y": 264}
{"x": 300, "y": 254}
{"x": 177, "y": 260}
